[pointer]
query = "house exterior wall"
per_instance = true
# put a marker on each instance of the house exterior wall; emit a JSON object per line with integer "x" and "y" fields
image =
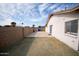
{"x": 58, "y": 29}
{"x": 12, "y": 35}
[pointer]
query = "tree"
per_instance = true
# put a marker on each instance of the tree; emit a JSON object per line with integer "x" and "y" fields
{"x": 7, "y": 26}
{"x": 33, "y": 27}
{"x": 0, "y": 26}
{"x": 13, "y": 24}
{"x": 39, "y": 26}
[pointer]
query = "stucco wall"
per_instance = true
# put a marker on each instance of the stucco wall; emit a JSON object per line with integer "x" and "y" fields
{"x": 58, "y": 29}
{"x": 11, "y": 35}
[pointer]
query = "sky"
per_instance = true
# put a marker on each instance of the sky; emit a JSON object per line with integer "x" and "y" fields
{"x": 30, "y": 13}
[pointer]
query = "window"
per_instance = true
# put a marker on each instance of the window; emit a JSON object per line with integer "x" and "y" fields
{"x": 71, "y": 27}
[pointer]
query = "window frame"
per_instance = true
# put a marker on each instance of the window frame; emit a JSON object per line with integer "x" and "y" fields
{"x": 69, "y": 32}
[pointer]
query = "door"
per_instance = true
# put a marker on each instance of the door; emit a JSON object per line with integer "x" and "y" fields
{"x": 50, "y": 29}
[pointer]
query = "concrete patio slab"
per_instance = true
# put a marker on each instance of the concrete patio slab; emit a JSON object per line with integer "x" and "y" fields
{"x": 39, "y": 34}
{"x": 41, "y": 46}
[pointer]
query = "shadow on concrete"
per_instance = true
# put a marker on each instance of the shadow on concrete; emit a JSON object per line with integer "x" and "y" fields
{"x": 20, "y": 48}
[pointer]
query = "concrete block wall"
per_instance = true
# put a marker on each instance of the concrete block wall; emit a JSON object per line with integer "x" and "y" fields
{"x": 11, "y": 35}
{"x": 27, "y": 31}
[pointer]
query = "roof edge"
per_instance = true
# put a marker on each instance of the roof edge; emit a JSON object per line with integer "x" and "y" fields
{"x": 61, "y": 12}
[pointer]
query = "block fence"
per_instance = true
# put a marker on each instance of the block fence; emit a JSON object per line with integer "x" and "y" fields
{"x": 11, "y": 35}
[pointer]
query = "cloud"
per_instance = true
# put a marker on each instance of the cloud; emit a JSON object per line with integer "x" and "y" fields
{"x": 28, "y": 13}
{"x": 6, "y": 22}
{"x": 36, "y": 20}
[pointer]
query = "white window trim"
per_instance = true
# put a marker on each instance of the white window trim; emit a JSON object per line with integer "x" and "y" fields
{"x": 71, "y": 34}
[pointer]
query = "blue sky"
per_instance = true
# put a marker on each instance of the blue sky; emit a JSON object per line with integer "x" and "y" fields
{"x": 29, "y": 13}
